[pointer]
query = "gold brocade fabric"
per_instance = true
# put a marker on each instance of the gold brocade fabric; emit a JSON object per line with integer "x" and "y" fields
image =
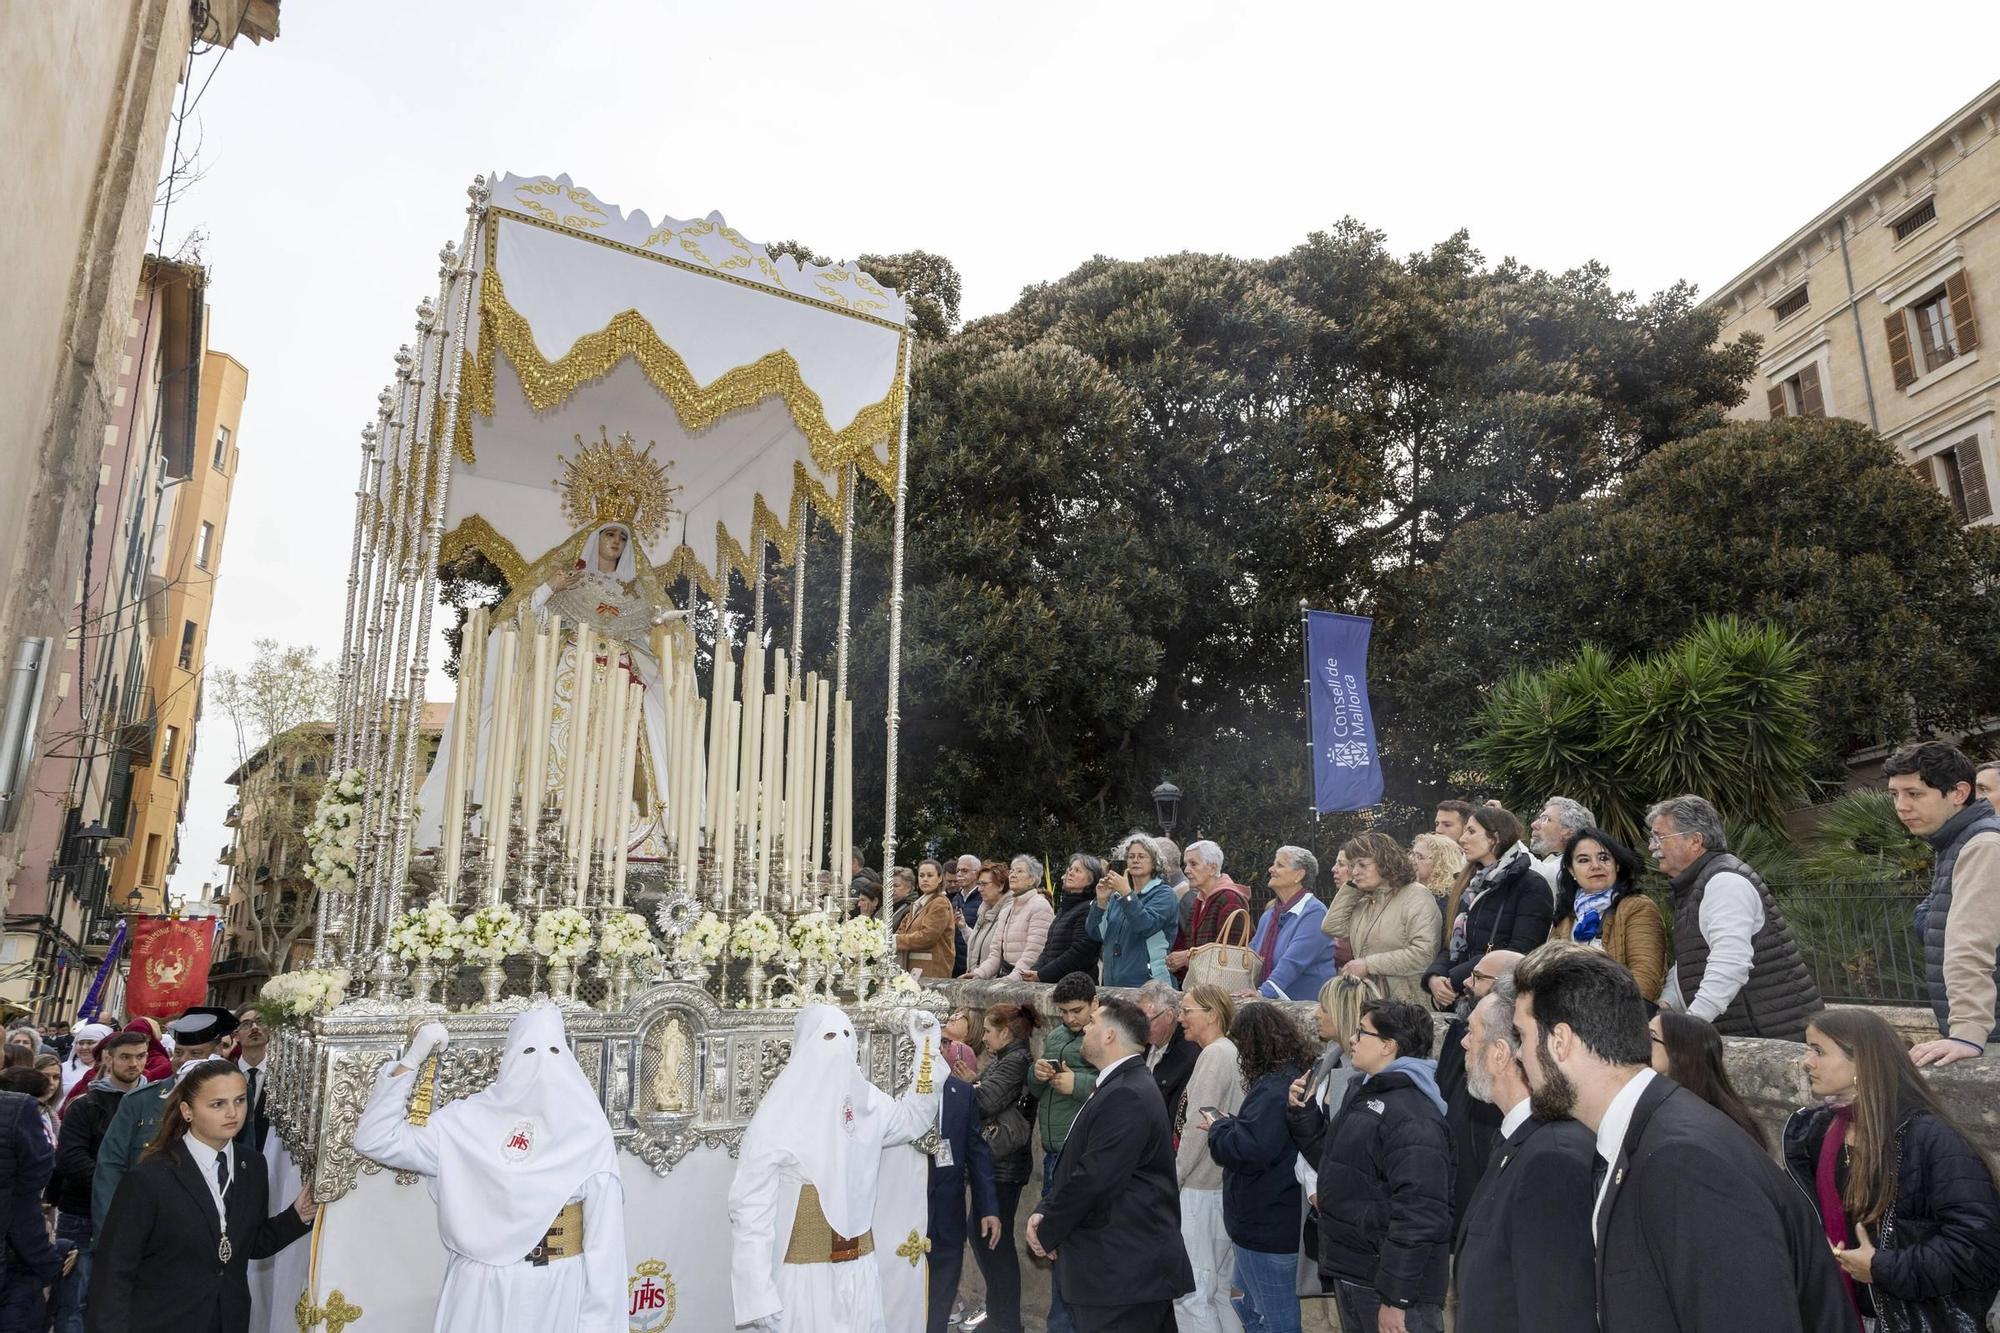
{"x": 547, "y": 384}
{"x": 814, "y": 1241}
{"x": 565, "y": 1235}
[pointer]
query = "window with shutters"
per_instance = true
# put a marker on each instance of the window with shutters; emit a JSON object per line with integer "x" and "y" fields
{"x": 168, "y": 747}
{"x": 1932, "y": 316}
{"x": 1798, "y": 395}
{"x": 1931, "y": 331}
{"x": 188, "y": 631}
{"x": 149, "y": 870}
{"x": 205, "y": 547}
{"x": 1962, "y": 468}
{"x": 1915, "y": 220}
{"x": 222, "y": 448}
{"x": 1790, "y": 304}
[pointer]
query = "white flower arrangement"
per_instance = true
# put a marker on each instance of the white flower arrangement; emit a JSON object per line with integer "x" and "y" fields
{"x": 814, "y": 939}
{"x": 292, "y": 997}
{"x": 562, "y": 934}
{"x": 492, "y": 933}
{"x": 335, "y": 831}
{"x": 863, "y": 937}
{"x": 755, "y": 937}
{"x": 904, "y": 984}
{"x": 625, "y": 935}
{"x": 425, "y": 934}
{"x": 704, "y": 941}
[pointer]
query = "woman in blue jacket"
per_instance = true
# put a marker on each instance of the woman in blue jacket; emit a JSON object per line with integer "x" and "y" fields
{"x": 1260, "y": 1191}
{"x": 1135, "y": 925}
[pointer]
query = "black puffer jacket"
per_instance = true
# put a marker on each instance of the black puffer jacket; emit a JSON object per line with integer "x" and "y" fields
{"x": 1938, "y": 1246}
{"x": 1515, "y": 912}
{"x": 1067, "y": 949}
{"x": 83, "y": 1127}
{"x": 1001, "y": 1085}
{"x": 1385, "y": 1171}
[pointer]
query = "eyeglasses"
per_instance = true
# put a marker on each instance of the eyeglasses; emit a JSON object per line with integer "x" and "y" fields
{"x": 1477, "y": 975}
{"x": 1655, "y": 839}
{"x": 1360, "y": 1032}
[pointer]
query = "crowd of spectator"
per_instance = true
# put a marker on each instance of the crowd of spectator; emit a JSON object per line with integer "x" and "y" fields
{"x": 1508, "y": 1107}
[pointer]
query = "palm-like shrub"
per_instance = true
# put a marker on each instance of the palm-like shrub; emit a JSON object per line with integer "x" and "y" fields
{"x": 1721, "y": 714}
{"x": 1860, "y": 838}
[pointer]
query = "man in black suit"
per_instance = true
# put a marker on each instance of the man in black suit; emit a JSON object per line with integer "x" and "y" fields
{"x": 1474, "y": 1125}
{"x": 1114, "y": 1212}
{"x": 961, "y": 1158}
{"x": 1524, "y": 1250}
{"x": 1695, "y": 1227}
{"x": 1170, "y": 1054}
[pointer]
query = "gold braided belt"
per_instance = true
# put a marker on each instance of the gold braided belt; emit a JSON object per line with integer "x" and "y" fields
{"x": 564, "y": 1239}
{"x": 814, "y": 1241}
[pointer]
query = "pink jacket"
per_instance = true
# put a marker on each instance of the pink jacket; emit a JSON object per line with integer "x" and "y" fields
{"x": 1016, "y": 940}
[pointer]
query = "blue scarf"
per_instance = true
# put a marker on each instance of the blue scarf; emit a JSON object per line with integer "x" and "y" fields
{"x": 1590, "y": 909}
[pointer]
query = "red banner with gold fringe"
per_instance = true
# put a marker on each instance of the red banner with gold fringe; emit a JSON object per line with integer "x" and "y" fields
{"x": 169, "y": 974}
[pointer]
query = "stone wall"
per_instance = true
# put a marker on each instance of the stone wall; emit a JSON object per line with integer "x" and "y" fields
{"x": 1765, "y": 1072}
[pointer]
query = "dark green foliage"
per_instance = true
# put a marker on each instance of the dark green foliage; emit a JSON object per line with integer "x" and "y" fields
{"x": 1723, "y": 714}
{"x": 1860, "y": 838}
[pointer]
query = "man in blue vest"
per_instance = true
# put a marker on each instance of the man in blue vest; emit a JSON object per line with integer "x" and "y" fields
{"x": 1959, "y": 922}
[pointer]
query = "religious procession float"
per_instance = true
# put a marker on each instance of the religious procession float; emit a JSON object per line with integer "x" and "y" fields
{"x": 642, "y": 805}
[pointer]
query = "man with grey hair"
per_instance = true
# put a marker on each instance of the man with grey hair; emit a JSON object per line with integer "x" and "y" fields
{"x": 963, "y": 892}
{"x": 1210, "y": 899}
{"x": 1549, "y": 835}
{"x": 1525, "y": 1256}
{"x": 1297, "y": 956}
{"x": 1169, "y": 1052}
{"x": 1736, "y": 963}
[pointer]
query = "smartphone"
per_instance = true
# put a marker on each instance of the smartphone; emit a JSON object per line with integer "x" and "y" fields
{"x": 1116, "y": 865}
{"x": 1212, "y": 1112}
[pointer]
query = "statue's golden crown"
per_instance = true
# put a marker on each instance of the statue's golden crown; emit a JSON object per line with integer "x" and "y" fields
{"x": 616, "y": 482}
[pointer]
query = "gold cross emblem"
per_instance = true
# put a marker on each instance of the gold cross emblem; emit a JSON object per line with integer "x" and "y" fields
{"x": 336, "y": 1314}
{"x": 915, "y": 1248}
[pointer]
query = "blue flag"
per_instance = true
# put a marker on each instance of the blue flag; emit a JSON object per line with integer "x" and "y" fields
{"x": 94, "y": 1001}
{"x": 1347, "y": 766}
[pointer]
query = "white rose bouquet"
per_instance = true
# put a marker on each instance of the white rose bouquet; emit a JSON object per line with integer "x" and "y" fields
{"x": 756, "y": 937}
{"x": 625, "y": 935}
{"x": 704, "y": 940}
{"x": 425, "y": 934}
{"x": 814, "y": 939}
{"x": 562, "y": 934}
{"x": 335, "y": 831}
{"x": 904, "y": 984}
{"x": 492, "y": 933}
{"x": 293, "y": 997}
{"x": 863, "y": 937}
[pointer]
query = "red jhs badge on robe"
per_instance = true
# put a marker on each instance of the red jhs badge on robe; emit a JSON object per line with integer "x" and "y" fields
{"x": 519, "y": 1143}
{"x": 847, "y": 1114}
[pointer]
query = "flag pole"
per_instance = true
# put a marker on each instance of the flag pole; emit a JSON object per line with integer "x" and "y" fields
{"x": 1306, "y": 684}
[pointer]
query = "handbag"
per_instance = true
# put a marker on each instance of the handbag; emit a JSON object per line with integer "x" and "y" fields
{"x": 1232, "y": 966}
{"x": 1008, "y": 1132}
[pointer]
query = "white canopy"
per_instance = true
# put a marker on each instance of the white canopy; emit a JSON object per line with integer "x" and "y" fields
{"x": 753, "y": 380}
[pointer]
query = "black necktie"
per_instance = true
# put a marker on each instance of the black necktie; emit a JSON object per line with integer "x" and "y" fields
{"x": 251, "y": 1092}
{"x": 222, "y": 1173}
{"x": 1599, "y": 1168}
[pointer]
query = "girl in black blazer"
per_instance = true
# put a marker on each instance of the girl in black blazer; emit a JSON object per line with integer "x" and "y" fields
{"x": 165, "y": 1262}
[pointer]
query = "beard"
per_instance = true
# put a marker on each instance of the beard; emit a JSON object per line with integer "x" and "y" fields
{"x": 1555, "y": 1097}
{"x": 1477, "y": 1081}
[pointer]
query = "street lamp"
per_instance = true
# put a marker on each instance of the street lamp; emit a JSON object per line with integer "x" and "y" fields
{"x": 1167, "y": 805}
{"x": 134, "y": 901}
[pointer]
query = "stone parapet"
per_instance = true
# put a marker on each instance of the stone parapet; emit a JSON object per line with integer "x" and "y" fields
{"x": 1767, "y": 1073}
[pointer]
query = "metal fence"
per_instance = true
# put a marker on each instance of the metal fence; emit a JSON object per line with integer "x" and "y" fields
{"x": 1859, "y": 939}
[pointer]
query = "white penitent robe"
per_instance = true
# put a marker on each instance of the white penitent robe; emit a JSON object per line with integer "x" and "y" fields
{"x": 469, "y": 1153}
{"x": 275, "y": 1283}
{"x": 778, "y": 1158}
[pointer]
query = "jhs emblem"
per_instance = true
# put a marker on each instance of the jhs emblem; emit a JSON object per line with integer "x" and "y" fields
{"x": 847, "y": 1114}
{"x": 653, "y": 1298}
{"x": 520, "y": 1142}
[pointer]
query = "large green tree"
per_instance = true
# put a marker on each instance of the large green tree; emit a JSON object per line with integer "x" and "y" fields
{"x": 1813, "y": 526}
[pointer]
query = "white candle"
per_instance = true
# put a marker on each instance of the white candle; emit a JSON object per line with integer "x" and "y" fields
{"x": 535, "y": 774}
{"x": 768, "y": 802}
{"x": 725, "y": 839}
{"x": 843, "y": 783}
{"x": 635, "y": 712}
{"x": 580, "y": 695}
{"x": 499, "y": 746}
{"x": 818, "y": 781}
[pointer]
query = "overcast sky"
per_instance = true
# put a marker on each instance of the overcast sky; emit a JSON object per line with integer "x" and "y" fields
{"x": 1018, "y": 139}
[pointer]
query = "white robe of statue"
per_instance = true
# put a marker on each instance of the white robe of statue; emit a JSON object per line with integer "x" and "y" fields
{"x": 603, "y": 592}
{"x": 500, "y": 1165}
{"x": 822, "y": 1122}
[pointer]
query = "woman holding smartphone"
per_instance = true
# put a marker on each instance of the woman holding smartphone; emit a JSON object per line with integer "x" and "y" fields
{"x": 1260, "y": 1192}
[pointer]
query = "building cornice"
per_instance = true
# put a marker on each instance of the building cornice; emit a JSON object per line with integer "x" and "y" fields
{"x": 1904, "y": 179}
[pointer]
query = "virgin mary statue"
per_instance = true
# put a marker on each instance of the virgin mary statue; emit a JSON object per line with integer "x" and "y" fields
{"x": 595, "y": 578}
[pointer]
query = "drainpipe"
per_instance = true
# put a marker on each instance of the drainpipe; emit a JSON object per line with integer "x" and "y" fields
{"x": 1860, "y": 342}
